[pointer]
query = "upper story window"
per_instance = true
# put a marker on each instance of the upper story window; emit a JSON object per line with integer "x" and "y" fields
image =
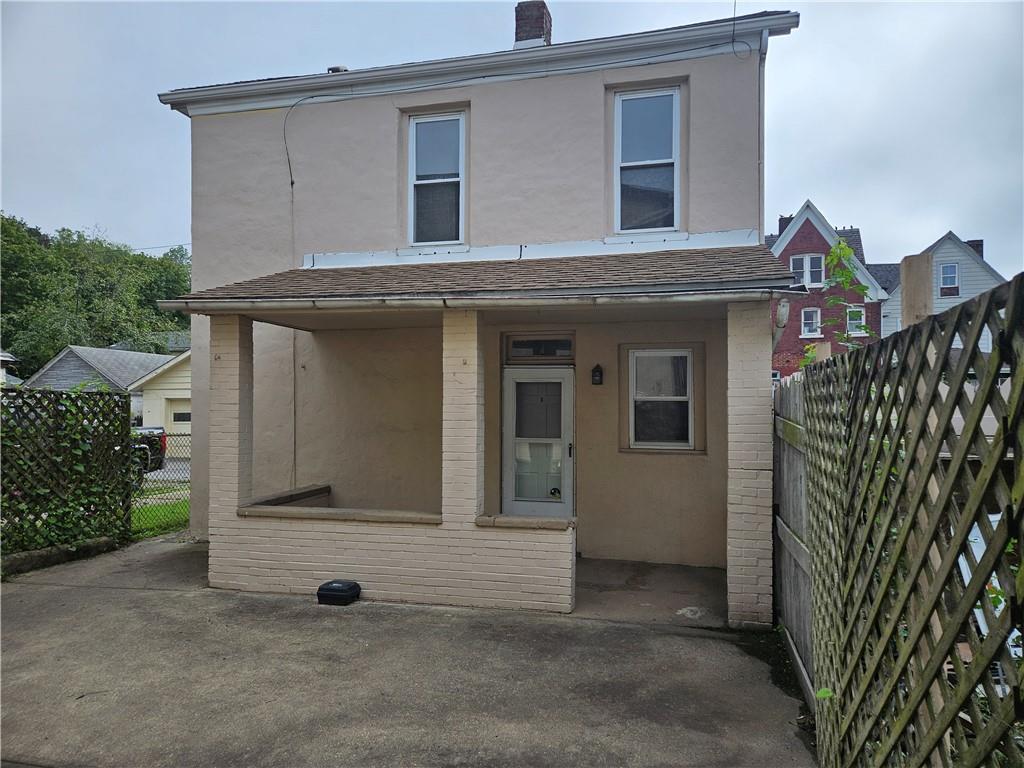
{"x": 647, "y": 160}
{"x": 436, "y": 178}
{"x": 809, "y": 269}
{"x": 949, "y": 279}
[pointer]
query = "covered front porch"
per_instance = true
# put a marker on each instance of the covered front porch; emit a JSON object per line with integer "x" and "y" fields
{"x": 471, "y": 455}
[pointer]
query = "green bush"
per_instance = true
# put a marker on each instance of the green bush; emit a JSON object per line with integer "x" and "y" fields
{"x": 67, "y": 467}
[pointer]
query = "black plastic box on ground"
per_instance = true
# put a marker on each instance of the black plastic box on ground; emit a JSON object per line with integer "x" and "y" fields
{"x": 338, "y": 592}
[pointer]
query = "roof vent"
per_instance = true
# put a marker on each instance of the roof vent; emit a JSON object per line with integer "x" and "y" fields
{"x": 337, "y": 70}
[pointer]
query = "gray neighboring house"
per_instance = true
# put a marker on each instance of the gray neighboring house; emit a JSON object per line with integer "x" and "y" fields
{"x": 96, "y": 367}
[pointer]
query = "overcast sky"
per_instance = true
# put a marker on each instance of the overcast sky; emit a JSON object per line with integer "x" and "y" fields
{"x": 906, "y": 120}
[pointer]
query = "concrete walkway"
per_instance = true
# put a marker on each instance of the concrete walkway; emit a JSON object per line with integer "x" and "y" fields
{"x": 129, "y": 660}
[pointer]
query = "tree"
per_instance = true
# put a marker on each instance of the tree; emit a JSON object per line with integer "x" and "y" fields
{"x": 73, "y": 288}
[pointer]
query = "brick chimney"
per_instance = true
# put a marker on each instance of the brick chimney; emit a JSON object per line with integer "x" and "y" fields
{"x": 533, "y": 24}
{"x": 784, "y": 221}
{"x": 978, "y": 246}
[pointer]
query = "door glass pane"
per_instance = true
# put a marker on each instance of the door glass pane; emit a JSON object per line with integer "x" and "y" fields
{"x": 647, "y": 197}
{"x": 661, "y": 376}
{"x": 437, "y": 212}
{"x": 539, "y": 409}
{"x": 647, "y": 128}
{"x": 538, "y": 470}
{"x": 661, "y": 421}
{"x": 437, "y": 149}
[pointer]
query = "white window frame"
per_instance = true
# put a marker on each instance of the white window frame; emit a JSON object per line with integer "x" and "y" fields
{"x": 414, "y": 120}
{"x": 676, "y": 218}
{"x": 805, "y": 274}
{"x": 803, "y": 334}
{"x": 662, "y": 352}
{"x": 863, "y": 320}
{"x": 942, "y": 277}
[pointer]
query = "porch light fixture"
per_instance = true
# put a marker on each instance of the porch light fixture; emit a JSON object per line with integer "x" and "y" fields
{"x": 597, "y": 375}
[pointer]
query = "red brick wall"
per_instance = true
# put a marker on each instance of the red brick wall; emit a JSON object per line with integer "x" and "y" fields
{"x": 790, "y": 349}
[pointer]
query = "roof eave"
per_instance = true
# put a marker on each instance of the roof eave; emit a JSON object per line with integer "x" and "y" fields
{"x": 648, "y": 294}
{"x": 433, "y": 74}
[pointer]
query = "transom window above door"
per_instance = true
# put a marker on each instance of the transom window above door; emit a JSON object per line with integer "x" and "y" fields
{"x": 534, "y": 349}
{"x": 436, "y": 179}
{"x": 647, "y": 160}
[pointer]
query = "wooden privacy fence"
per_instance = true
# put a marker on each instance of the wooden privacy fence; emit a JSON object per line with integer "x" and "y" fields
{"x": 900, "y": 494}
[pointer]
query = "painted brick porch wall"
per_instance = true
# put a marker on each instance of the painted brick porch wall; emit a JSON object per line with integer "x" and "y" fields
{"x": 790, "y": 350}
{"x": 749, "y": 489}
{"x": 454, "y": 563}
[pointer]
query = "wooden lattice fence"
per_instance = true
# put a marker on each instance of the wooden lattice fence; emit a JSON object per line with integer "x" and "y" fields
{"x": 66, "y": 470}
{"x": 915, "y": 492}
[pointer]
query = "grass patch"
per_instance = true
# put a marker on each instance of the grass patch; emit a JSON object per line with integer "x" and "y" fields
{"x": 161, "y": 517}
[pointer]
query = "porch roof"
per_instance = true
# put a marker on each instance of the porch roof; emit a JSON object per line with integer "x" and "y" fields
{"x": 660, "y": 272}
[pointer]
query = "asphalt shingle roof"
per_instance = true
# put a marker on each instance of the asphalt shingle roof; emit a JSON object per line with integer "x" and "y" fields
{"x": 687, "y": 269}
{"x": 120, "y": 366}
{"x": 850, "y": 234}
{"x": 887, "y": 275}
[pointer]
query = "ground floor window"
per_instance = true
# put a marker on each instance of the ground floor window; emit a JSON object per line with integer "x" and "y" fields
{"x": 661, "y": 407}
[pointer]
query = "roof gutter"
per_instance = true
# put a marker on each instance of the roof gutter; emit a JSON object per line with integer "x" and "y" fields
{"x": 370, "y": 304}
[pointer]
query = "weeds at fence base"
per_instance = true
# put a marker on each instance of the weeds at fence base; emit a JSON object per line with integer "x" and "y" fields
{"x": 160, "y": 517}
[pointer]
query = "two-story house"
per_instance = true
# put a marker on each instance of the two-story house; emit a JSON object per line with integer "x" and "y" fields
{"x": 959, "y": 273}
{"x": 458, "y": 322}
{"x": 827, "y": 312}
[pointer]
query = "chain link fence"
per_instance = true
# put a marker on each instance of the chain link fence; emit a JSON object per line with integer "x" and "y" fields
{"x": 161, "y": 504}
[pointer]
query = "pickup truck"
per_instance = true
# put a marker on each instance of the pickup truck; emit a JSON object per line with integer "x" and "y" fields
{"x": 150, "y": 445}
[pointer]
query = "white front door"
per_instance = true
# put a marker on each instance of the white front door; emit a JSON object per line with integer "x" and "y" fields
{"x": 536, "y": 443}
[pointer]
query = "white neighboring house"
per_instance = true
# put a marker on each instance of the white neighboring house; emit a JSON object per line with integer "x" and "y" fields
{"x": 167, "y": 399}
{"x": 960, "y": 272}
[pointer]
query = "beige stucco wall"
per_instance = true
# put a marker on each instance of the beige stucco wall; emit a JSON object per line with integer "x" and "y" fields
{"x": 652, "y": 506}
{"x": 376, "y": 438}
{"x": 538, "y": 170}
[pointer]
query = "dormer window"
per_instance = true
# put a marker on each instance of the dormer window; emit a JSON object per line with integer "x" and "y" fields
{"x": 647, "y": 161}
{"x": 949, "y": 280}
{"x": 809, "y": 269}
{"x": 436, "y": 171}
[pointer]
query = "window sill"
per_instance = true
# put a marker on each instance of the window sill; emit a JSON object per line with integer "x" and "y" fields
{"x": 522, "y": 521}
{"x": 663, "y": 451}
{"x": 421, "y": 249}
{"x": 812, "y": 336}
{"x": 334, "y": 513}
{"x": 669, "y": 234}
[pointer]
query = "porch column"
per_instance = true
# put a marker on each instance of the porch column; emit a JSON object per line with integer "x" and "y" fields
{"x": 749, "y": 489}
{"x": 462, "y": 419}
{"x": 230, "y": 416}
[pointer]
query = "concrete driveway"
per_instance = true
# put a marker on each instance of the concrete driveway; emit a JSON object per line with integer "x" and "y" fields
{"x": 129, "y": 660}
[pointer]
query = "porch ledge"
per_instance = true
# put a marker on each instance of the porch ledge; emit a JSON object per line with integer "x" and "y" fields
{"x": 335, "y": 513}
{"x": 290, "y": 497}
{"x": 517, "y": 521}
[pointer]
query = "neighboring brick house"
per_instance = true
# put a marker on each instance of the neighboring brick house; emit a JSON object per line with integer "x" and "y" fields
{"x": 802, "y": 243}
{"x": 487, "y": 315}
